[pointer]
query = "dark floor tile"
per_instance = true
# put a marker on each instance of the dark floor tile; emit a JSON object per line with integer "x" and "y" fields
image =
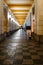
{"x": 18, "y": 62}
{"x": 28, "y": 62}
{"x": 27, "y": 57}
{"x": 38, "y": 61}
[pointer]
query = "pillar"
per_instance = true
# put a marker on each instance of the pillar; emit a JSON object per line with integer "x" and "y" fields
{"x": 5, "y": 18}
{"x": 38, "y": 29}
{"x": 1, "y": 21}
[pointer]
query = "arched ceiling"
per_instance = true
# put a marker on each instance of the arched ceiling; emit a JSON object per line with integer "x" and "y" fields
{"x": 20, "y": 8}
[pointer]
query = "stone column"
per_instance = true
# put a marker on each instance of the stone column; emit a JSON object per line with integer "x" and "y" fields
{"x": 38, "y": 20}
{"x": 1, "y": 20}
{"x": 5, "y": 18}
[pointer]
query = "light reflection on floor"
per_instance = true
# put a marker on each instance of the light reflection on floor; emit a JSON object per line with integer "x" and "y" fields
{"x": 17, "y": 36}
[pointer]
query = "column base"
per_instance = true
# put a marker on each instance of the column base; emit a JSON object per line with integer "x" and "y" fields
{"x": 2, "y": 37}
{"x": 38, "y": 38}
{"x": 7, "y": 34}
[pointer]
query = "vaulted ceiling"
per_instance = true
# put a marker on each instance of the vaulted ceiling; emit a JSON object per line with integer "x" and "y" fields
{"x": 20, "y": 8}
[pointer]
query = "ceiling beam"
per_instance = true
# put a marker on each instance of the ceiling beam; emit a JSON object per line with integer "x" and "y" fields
{"x": 20, "y": 13}
{"x": 21, "y": 20}
{"x": 19, "y": 5}
{"x": 21, "y": 17}
{"x": 20, "y": 10}
{"x": 17, "y": 15}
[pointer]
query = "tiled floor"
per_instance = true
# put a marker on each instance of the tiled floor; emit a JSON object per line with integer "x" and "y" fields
{"x": 16, "y": 50}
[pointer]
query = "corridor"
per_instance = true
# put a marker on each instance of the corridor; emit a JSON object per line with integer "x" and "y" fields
{"x": 17, "y": 50}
